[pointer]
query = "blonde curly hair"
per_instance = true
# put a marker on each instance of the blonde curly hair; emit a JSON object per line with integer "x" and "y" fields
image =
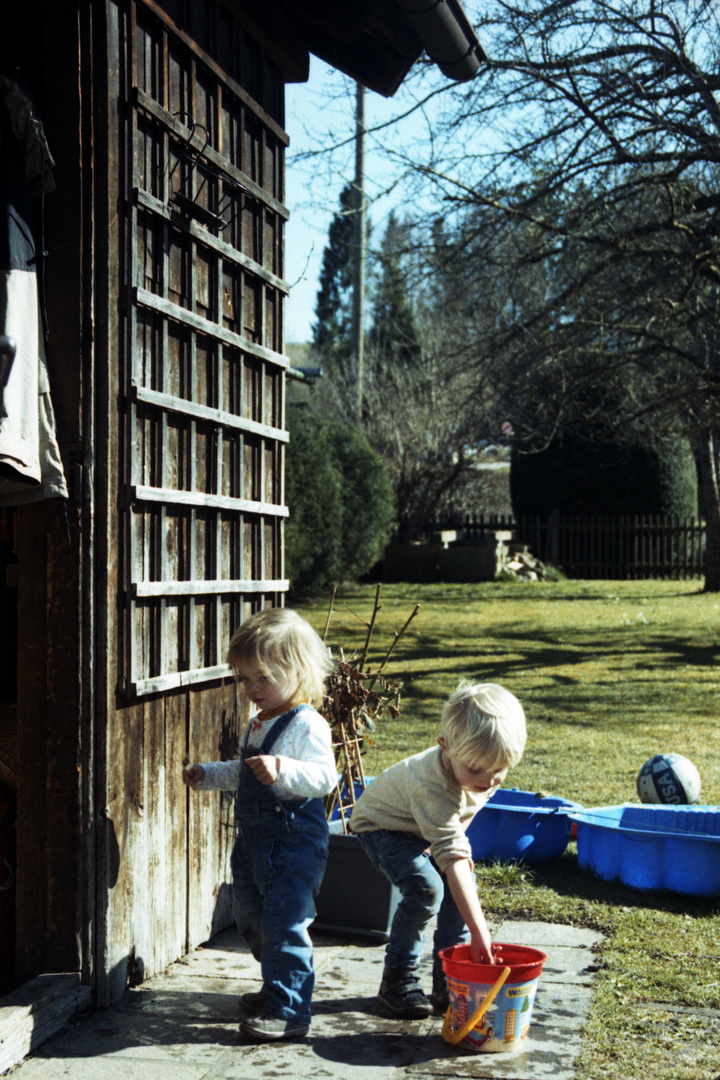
{"x": 285, "y": 647}
{"x": 483, "y": 725}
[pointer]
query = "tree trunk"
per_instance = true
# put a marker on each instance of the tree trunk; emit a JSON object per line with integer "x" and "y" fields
{"x": 708, "y": 460}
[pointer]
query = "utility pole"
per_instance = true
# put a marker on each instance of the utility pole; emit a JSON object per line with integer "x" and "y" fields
{"x": 359, "y": 250}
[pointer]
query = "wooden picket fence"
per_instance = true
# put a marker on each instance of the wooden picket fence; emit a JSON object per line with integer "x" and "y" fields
{"x": 595, "y": 546}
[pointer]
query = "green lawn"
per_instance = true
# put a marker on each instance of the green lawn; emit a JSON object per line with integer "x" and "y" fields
{"x": 609, "y": 674}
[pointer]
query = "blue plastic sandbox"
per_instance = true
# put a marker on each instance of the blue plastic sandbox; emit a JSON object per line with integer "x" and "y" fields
{"x": 335, "y": 816}
{"x": 520, "y": 826}
{"x": 652, "y": 847}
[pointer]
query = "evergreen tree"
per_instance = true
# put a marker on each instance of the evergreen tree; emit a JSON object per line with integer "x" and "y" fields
{"x": 421, "y": 412}
{"x": 610, "y": 109}
{"x": 576, "y": 475}
{"x": 333, "y": 305}
{"x": 313, "y": 491}
{"x": 392, "y": 340}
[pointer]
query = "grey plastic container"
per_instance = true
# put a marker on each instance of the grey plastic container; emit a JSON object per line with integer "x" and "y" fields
{"x": 355, "y": 899}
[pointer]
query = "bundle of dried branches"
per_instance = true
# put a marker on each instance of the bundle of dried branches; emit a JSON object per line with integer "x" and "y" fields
{"x": 357, "y": 696}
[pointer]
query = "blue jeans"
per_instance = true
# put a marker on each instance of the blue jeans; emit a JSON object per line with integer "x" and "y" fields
{"x": 275, "y": 881}
{"x": 404, "y": 860}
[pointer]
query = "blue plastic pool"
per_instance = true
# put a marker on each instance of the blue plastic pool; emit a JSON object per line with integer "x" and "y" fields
{"x": 520, "y": 826}
{"x": 652, "y": 847}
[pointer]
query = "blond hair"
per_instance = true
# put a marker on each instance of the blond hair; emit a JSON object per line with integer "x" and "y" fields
{"x": 483, "y": 725}
{"x": 284, "y": 646}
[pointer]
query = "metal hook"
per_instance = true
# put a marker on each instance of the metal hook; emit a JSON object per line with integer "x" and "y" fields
{"x": 185, "y": 201}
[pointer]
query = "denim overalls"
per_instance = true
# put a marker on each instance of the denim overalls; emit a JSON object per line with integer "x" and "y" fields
{"x": 278, "y": 862}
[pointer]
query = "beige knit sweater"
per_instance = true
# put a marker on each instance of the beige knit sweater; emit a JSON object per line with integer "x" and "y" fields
{"x": 419, "y": 795}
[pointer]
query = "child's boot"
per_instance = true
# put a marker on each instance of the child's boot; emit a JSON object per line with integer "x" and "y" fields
{"x": 401, "y": 993}
{"x": 439, "y": 998}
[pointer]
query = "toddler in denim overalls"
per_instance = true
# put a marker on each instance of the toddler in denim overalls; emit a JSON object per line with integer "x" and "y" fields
{"x": 286, "y": 766}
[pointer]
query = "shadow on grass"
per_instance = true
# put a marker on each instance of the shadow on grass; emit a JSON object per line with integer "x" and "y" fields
{"x": 533, "y": 649}
{"x": 476, "y": 643}
{"x": 570, "y": 591}
{"x": 564, "y": 877}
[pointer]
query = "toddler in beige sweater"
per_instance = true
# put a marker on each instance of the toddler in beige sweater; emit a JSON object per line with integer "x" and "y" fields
{"x": 411, "y": 821}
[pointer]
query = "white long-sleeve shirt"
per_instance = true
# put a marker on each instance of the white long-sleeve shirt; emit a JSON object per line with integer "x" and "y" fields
{"x": 304, "y": 752}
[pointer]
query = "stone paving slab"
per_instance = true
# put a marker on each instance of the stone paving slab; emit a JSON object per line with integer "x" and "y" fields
{"x": 570, "y": 949}
{"x": 182, "y": 1024}
{"x": 89, "y": 1068}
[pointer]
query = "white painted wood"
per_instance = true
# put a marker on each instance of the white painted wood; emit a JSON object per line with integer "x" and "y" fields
{"x": 204, "y": 412}
{"x": 141, "y": 493}
{"x": 207, "y": 588}
{"x": 180, "y": 678}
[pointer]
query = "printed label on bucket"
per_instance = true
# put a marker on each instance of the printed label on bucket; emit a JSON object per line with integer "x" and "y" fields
{"x": 505, "y": 1024}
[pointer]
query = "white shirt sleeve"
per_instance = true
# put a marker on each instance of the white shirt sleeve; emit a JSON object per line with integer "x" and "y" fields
{"x": 307, "y": 762}
{"x": 305, "y": 755}
{"x": 220, "y": 776}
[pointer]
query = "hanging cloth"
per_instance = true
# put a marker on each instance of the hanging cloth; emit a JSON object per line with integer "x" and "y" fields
{"x": 30, "y": 463}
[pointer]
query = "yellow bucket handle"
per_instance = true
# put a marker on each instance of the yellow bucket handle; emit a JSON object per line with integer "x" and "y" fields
{"x": 456, "y": 1037}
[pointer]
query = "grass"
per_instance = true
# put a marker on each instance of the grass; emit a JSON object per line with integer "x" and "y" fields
{"x": 610, "y": 673}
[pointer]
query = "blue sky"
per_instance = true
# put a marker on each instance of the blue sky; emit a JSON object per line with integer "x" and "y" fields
{"x": 321, "y": 112}
{"x": 310, "y": 212}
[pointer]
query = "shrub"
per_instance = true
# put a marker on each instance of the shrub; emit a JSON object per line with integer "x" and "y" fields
{"x": 368, "y": 515}
{"x": 340, "y": 500}
{"x": 313, "y": 494}
{"x": 601, "y": 477}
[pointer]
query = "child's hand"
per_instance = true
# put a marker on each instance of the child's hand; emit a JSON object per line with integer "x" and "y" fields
{"x": 193, "y": 775}
{"x": 265, "y": 768}
{"x": 481, "y": 952}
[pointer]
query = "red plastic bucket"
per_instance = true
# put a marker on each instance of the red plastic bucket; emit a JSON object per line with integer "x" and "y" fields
{"x": 507, "y": 988}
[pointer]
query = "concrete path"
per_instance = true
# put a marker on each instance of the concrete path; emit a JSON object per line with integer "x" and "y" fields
{"x": 182, "y": 1024}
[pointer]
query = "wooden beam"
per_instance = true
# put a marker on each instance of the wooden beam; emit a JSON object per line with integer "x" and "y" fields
{"x": 210, "y": 329}
{"x": 184, "y": 133}
{"x": 173, "y": 497}
{"x": 206, "y": 588}
{"x": 148, "y": 202}
{"x": 36, "y": 1012}
{"x": 204, "y": 412}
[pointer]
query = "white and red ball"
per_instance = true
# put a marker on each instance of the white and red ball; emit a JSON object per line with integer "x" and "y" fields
{"x": 670, "y": 779}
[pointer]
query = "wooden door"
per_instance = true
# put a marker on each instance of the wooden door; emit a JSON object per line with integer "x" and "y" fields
{"x": 194, "y": 460}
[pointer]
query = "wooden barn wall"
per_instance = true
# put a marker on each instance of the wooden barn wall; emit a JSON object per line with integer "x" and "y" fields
{"x": 190, "y": 442}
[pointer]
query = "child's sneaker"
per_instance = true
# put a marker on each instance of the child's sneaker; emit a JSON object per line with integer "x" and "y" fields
{"x": 251, "y": 1002}
{"x": 401, "y": 993}
{"x": 272, "y": 1028}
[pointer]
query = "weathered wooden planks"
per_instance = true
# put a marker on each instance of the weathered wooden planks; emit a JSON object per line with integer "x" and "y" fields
{"x": 171, "y": 406}
{"x": 37, "y": 1011}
